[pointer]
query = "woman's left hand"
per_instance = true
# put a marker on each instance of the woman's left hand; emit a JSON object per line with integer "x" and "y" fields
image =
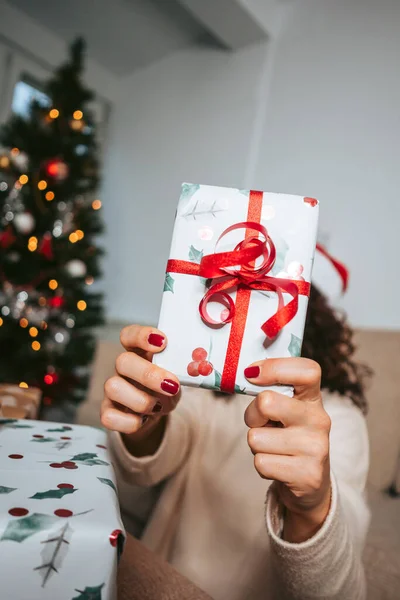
{"x": 296, "y": 455}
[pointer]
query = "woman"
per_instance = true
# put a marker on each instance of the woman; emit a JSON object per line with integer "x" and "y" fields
{"x": 210, "y": 521}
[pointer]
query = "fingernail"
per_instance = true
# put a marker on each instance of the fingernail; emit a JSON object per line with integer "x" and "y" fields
{"x": 157, "y": 407}
{"x": 155, "y": 339}
{"x": 144, "y": 419}
{"x": 169, "y": 386}
{"x": 252, "y": 372}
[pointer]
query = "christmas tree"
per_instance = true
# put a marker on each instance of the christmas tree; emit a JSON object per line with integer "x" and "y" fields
{"x": 49, "y": 220}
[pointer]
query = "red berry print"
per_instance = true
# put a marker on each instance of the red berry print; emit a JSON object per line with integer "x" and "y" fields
{"x": 18, "y": 512}
{"x": 65, "y": 486}
{"x": 64, "y": 437}
{"x": 63, "y": 512}
{"x": 68, "y": 464}
{"x": 199, "y": 354}
{"x": 16, "y": 456}
{"x": 205, "y": 368}
{"x": 193, "y": 369}
{"x": 114, "y": 535}
{"x": 311, "y": 201}
{"x": 37, "y": 436}
{"x": 56, "y": 465}
{"x": 101, "y": 446}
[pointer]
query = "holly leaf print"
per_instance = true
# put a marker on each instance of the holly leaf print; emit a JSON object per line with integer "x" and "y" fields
{"x": 6, "y": 490}
{"x": 195, "y": 255}
{"x": 43, "y": 440}
{"x": 59, "y": 493}
{"x": 281, "y": 251}
{"x": 19, "y": 530}
{"x": 169, "y": 283}
{"x": 108, "y": 482}
{"x": 188, "y": 189}
{"x": 89, "y": 458}
{"x": 14, "y": 424}
{"x": 294, "y": 346}
{"x": 60, "y": 429}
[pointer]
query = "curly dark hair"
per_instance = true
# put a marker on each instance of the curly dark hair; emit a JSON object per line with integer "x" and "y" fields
{"x": 328, "y": 339}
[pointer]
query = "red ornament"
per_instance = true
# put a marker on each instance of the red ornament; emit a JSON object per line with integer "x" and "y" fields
{"x": 46, "y": 246}
{"x": 114, "y": 535}
{"x": 57, "y": 169}
{"x": 56, "y": 302}
{"x": 63, "y": 512}
{"x": 48, "y": 379}
{"x": 18, "y": 512}
{"x": 7, "y": 238}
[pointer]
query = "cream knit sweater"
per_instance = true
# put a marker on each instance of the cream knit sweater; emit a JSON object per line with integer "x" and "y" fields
{"x": 212, "y": 523}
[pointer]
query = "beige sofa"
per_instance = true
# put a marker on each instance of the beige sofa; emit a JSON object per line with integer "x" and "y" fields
{"x": 380, "y": 349}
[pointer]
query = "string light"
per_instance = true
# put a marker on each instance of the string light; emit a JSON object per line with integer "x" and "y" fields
{"x": 32, "y": 243}
{"x": 36, "y": 346}
{"x": 42, "y": 301}
{"x": 53, "y": 284}
{"x": 49, "y": 379}
{"x": 73, "y": 237}
{"x": 78, "y": 114}
{"x": 1, "y": 321}
{"x": 24, "y": 322}
{"x": 23, "y": 179}
{"x": 42, "y": 185}
{"x": 54, "y": 113}
{"x": 4, "y": 162}
{"x": 89, "y": 280}
{"x": 23, "y": 384}
{"x": 33, "y": 331}
{"x": 96, "y": 204}
{"x": 49, "y": 196}
{"x": 15, "y": 152}
{"x": 80, "y": 234}
{"x": 81, "y": 305}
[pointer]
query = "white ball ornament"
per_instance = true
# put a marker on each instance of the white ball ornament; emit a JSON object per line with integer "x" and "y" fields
{"x": 76, "y": 268}
{"x": 24, "y": 222}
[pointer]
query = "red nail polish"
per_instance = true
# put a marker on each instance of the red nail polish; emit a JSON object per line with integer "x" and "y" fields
{"x": 157, "y": 407}
{"x": 252, "y": 372}
{"x": 155, "y": 339}
{"x": 169, "y": 386}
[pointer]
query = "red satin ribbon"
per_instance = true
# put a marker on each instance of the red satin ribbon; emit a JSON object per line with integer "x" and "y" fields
{"x": 237, "y": 269}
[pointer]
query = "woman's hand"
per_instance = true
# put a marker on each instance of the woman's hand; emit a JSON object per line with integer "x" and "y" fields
{"x": 140, "y": 394}
{"x": 296, "y": 454}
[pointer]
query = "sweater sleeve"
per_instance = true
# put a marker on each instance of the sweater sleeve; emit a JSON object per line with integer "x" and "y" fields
{"x": 171, "y": 454}
{"x": 328, "y": 565}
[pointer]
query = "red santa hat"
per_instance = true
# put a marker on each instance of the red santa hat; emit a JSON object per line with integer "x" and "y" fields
{"x": 329, "y": 275}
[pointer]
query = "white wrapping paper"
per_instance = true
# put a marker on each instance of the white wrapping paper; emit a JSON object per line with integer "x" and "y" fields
{"x": 203, "y": 213}
{"x": 60, "y": 526}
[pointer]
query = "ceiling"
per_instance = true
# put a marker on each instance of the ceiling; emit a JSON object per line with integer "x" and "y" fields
{"x": 122, "y": 35}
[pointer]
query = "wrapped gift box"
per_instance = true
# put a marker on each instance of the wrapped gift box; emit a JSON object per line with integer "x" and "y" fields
{"x": 202, "y": 353}
{"x": 19, "y": 403}
{"x": 60, "y": 526}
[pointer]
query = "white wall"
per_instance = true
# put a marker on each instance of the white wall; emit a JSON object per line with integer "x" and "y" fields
{"x": 326, "y": 124}
{"x": 187, "y": 118}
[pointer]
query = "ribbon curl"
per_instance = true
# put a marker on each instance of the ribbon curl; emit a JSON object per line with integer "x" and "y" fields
{"x": 238, "y": 269}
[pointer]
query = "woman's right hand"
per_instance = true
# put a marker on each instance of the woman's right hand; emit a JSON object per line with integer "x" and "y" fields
{"x": 140, "y": 393}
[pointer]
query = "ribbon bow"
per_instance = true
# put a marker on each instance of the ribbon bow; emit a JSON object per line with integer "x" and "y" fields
{"x": 238, "y": 268}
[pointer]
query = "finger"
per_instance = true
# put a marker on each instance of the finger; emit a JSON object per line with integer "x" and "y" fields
{"x": 116, "y": 420}
{"x": 302, "y": 373}
{"x": 272, "y": 406}
{"x": 280, "y": 468}
{"x": 148, "y": 339}
{"x": 137, "y": 400}
{"x": 150, "y": 376}
{"x": 289, "y": 442}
